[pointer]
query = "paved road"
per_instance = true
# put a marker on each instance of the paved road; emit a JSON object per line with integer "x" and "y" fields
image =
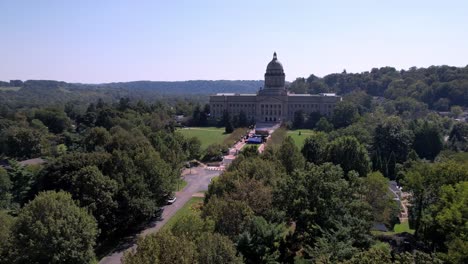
{"x": 198, "y": 180}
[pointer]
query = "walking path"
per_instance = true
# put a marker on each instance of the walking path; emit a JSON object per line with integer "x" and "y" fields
{"x": 403, "y": 198}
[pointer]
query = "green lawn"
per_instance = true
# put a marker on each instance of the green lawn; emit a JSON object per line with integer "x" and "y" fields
{"x": 192, "y": 206}
{"x": 207, "y": 135}
{"x": 398, "y": 228}
{"x": 299, "y": 139}
{"x": 403, "y": 227}
{"x": 9, "y": 89}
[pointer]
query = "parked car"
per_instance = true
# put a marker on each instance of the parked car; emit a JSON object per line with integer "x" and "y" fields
{"x": 171, "y": 199}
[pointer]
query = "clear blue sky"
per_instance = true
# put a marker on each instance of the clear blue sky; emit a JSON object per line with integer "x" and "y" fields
{"x": 107, "y": 40}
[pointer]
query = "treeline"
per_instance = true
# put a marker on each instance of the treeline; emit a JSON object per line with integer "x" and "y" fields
{"x": 108, "y": 171}
{"x": 437, "y": 87}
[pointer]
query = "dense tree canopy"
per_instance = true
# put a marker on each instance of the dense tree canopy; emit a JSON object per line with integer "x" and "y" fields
{"x": 53, "y": 229}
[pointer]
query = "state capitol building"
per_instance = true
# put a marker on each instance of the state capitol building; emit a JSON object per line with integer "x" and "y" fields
{"x": 273, "y": 103}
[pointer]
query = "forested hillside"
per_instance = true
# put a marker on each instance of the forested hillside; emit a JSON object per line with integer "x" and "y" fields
{"x": 15, "y": 94}
{"x": 437, "y": 87}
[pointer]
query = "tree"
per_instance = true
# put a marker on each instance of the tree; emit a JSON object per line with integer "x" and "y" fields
{"x": 96, "y": 138}
{"x": 433, "y": 191}
{"x": 427, "y": 141}
{"x": 324, "y": 125}
{"x": 229, "y": 127}
{"x": 5, "y": 188}
{"x": 391, "y": 145}
{"x": 213, "y": 248}
{"x": 328, "y": 217}
{"x": 230, "y": 217}
{"x": 192, "y": 226}
{"x": 380, "y": 198}
{"x": 290, "y": 156}
{"x": 260, "y": 241}
{"x": 298, "y": 86}
{"x": 21, "y": 142}
{"x": 458, "y": 137}
{"x": 347, "y": 152}
{"x": 299, "y": 119}
{"x": 6, "y": 221}
{"x": 193, "y": 148}
{"x": 162, "y": 248}
{"x": 22, "y": 181}
{"x": 314, "y": 149}
{"x": 53, "y": 229}
{"x": 250, "y": 151}
{"x": 344, "y": 114}
{"x": 377, "y": 254}
{"x": 252, "y": 192}
{"x": 452, "y": 216}
{"x": 456, "y": 111}
{"x": 97, "y": 193}
{"x": 214, "y": 152}
{"x": 242, "y": 120}
{"x": 196, "y": 115}
{"x": 56, "y": 120}
{"x": 312, "y": 119}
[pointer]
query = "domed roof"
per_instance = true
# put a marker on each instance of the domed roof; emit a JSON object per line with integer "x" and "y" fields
{"x": 274, "y": 64}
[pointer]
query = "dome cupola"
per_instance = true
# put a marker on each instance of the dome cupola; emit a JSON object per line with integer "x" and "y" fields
{"x": 274, "y": 64}
{"x": 274, "y": 76}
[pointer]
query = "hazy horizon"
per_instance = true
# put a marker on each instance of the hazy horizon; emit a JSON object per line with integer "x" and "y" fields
{"x": 117, "y": 41}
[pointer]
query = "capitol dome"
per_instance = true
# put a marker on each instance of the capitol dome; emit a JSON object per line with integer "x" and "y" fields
{"x": 274, "y": 76}
{"x": 274, "y": 64}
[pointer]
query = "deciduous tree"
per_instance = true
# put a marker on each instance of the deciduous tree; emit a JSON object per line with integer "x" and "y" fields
{"x": 349, "y": 154}
{"x": 53, "y": 229}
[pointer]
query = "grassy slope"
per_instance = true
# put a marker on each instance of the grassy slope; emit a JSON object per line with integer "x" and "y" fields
{"x": 207, "y": 135}
{"x": 299, "y": 139}
{"x": 14, "y": 89}
{"x": 403, "y": 227}
{"x": 191, "y": 207}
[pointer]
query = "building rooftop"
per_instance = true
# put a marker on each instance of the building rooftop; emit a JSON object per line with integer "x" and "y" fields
{"x": 234, "y": 94}
{"x": 36, "y": 161}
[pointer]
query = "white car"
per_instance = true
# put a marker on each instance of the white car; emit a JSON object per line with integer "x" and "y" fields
{"x": 171, "y": 200}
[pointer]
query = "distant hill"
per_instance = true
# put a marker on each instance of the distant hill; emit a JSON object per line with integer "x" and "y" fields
{"x": 191, "y": 87}
{"x": 45, "y": 92}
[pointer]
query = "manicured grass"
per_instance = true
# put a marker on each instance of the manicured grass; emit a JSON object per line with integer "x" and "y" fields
{"x": 14, "y": 89}
{"x": 299, "y": 139}
{"x": 181, "y": 184}
{"x": 191, "y": 207}
{"x": 398, "y": 228}
{"x": 207, "y": 135}
{"x": 403, "y": 227}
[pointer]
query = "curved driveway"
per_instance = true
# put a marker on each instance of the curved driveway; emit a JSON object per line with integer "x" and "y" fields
{"x": 197, "y": 179}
